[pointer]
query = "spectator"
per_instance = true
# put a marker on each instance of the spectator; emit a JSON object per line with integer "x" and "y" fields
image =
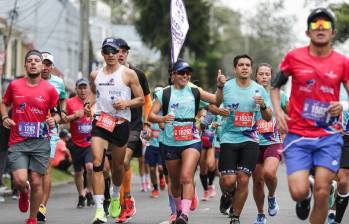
{"x": 62, "y": 159}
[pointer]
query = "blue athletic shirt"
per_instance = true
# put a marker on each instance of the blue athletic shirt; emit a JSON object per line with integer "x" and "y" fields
{"x": 240, "y": 125}
{"x": 155, "y": 129}
{"x": 270, "y": 138}
{"x": 218, "y": 132}
{"x": 182, "y": 104}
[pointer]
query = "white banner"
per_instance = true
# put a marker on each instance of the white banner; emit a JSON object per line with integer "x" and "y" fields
{"x": 179, "y": 27}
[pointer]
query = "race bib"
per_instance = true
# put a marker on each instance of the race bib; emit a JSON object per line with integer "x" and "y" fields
{"x": 106, "y": 121}
{"x": 315, "y": 110}
{"x": 183, "y": 133}
{"x": 265, "y": 127}
{"x": 155, "y": 133}
{"x": 29, "y": 129}
{"x": 84, "y": 128}
{"x": 243, "y": 119}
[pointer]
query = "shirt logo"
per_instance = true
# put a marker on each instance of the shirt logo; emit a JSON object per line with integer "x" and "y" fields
{"x": 40, "y": 99}
{"x": 21, "y": 109}
{"x": 36, "y": 111}
{"x": 307, "y": 71}
{"x": 309, "y": 85}
{"x": 327, "y": 89}
{"x": 331, "y": 74}
{"x": 233, "y": 106}
{"x": 111, "y": 82}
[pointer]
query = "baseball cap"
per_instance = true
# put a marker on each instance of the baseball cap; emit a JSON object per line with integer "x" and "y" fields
{"x": 181, "y": 65}
{"x": 110, "y": 41}
{"x": 81, "y": 82}
{"x": 122, "y": 43}
{"x": 321, "y": 12}
{"x": 47, "y": 56}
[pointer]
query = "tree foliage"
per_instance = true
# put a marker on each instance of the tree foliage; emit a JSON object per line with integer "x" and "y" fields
{"x": 342, "y": 21}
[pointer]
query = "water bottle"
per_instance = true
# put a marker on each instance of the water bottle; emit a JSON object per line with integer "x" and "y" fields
{"x": 257, "y": 107}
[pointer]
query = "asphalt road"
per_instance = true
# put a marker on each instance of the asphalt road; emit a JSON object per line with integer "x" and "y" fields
{"x": 62, "y": 208}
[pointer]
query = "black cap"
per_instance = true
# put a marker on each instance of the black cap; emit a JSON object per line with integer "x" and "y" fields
{"x": 122, "y": 43}
{"x": 181, "y": 65}
{"x": 81, "y": 82}
{"x": 110, "y": 41}
{"x": 320, "y": 12}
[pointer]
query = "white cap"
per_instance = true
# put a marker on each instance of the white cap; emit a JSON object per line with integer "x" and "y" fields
{"x": 47, "y": 56}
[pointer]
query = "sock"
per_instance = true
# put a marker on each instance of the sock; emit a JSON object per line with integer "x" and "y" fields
{"x": 172, "y": 204}
{"x": 161, "y": 175}
{"x": 203, "y": 179}
{"x": 99, "y": 200}
{"x": 178, "y": 202}
{"x": 115, "y": 192}
{"x": 155, "y": 186}
{"x": 236, "y": 217}
{"x": 107, "y": 188}
{"x": 186, "y": 203}
{"x": 211, "y": 175}
{"x": 341, "y": 205}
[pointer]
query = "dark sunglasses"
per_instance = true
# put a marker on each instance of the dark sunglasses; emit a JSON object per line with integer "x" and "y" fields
{"x": 109, "y": 50}
{"x": 184, "y": 72}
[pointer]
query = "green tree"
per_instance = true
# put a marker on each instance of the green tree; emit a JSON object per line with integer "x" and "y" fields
{"x": 342, "y": 21}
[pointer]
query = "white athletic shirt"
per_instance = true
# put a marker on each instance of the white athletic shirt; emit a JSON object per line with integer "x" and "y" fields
{"x": 111, "y": 88}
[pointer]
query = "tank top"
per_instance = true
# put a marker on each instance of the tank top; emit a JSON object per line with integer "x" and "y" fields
{"x": 111, "y": 88}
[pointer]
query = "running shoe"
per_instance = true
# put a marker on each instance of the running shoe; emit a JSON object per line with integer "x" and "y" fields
{"x": 261, "y": 219}
{"x": 162, "y": 183}
{"x": 155, "y": 193}
{"x": 15, "y": 194}
{"x": 225, "y": 202}
{"x": 89, "y": 198}
{"x": 99, "y": 217}
{"x": 2, "y": 199}
{"x": 122, "y": 218}
{"x": 172, "y": 219}
{"x": 331, "y": 217}
{"x": 182, "y": 219}
{"x": 332, "y": 197}
{"x": 194, "y": 202}
{"x": 41, "y": 215}
{"x": 81, "y": 202}
{"x": 31, "y": 221}
{"x": 212, "y": 191}
{"x": 114, "y": 207}
{"x": 234, "y": 221}
{"x": 303, "y": 208}
{"x": 23, "y": 202}
{"x": 130, "y": 207}
{"x": 144, "y": 187}
{"x": 205, "y": 196}
{"x": 273, "y": 206}
{"x": 231, "y": 213}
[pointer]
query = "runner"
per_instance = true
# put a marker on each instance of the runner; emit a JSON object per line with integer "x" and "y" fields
{"x": 80, "y": 128}
{"x": 313, "y": 139}
{"x": 179, "y": 104}
{"x": 31, "y": 98}
{"x": 112, "y": 85}
{"x": 270, "y": 152}
{"x": 48, "y": 63}
{"x": 134, "y": 146}
{"x": 239, "y": 142}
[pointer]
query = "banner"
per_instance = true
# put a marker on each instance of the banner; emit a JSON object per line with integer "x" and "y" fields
{"x": 179, "y": 27}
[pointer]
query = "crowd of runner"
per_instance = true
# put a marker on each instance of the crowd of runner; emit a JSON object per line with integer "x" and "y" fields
{"x": 242, "y": 130}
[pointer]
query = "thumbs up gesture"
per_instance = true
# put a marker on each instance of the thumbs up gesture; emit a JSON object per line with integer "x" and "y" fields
{"x": 220, "y": 79}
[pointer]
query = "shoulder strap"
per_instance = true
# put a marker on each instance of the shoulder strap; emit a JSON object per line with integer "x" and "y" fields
{"x": 196, "y": 94}
{"x": 166, "y": 95}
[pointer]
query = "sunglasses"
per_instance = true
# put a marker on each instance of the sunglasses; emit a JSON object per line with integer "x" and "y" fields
{"x": 184, "y": 72}
{"x": 109, "y": 50}
{"x": 325, "y": 24}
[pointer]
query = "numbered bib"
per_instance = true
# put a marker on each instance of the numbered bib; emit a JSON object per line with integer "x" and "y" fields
{"x": 183, "y": 133}
{"x": 106, "y": 121}
{"x": 315, "y": 110}
{"x": 265, "y": 127}
{"x": 84, "y": 128}
{"x": 29, "y": 129}
{"x": 243, "y": 119}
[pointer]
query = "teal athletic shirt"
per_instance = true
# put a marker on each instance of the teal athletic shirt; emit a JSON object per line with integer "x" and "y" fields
{"x": 274, "y": 137}
{"x": 345, "y": 118}
{"x": 154, "y": 141}
{"x": 182, "y": 104}
{"x": 240, "y": 125}
{"x": 59, "y": 86}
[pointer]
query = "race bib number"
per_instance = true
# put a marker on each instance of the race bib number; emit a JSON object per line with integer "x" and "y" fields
{"x": 183, "y": 133}
{"x": 84, "y": 128}
{"x": 106, "y": 121}
{"x": 265, "y": 127}
{"x": 29, "y": 129}
{"x": 315, "y": 110}
{"x": 243, "y": 119}
{"x": 155, "y": 133}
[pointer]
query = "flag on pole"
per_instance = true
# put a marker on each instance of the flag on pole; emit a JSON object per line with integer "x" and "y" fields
{"x": 179, "y": 27}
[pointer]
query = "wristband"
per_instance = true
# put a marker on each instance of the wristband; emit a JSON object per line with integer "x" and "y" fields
{"x": 220, "y": 87}
{"x": 5, "y": 117}
{"x": 87, "y": 103}
{"x": 263, "y": 107}
{"x": 345, "y": 105}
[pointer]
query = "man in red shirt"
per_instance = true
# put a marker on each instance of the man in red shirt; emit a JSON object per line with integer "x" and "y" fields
{"x": 80, "y": 127}
{"x": 31, "y": 99}
{"x": 313, "y": 141}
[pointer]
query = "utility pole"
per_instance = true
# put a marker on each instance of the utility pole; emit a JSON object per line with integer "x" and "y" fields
{"x": 84, "y": 37}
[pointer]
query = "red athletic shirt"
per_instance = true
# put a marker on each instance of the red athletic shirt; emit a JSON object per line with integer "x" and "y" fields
{"x": 30, "y": 104}
{"x": 61, "y": 153}
{"x": 315, "y": 83}
{"x": 80, "y": 128}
